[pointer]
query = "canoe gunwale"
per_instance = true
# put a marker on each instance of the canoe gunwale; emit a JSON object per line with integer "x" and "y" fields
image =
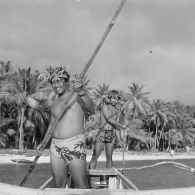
{"x": 116, "y": 180}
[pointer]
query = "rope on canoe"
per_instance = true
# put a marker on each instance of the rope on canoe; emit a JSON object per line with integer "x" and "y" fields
{"x": 176, "y": 164}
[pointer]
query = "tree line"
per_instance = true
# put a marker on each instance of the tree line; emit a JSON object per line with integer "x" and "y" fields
{"x": 153, "y": 124}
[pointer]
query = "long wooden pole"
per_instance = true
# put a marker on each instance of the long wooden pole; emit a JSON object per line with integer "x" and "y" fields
{"x": 123, "y": 148}
{"x": 81, "y": 76}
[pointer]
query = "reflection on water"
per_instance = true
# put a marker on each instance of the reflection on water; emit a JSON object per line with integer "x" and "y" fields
{"x": 164, "y": 176}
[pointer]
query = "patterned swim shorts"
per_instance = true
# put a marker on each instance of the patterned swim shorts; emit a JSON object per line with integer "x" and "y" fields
{"x": 69, "y": 149}
{"x": 106, "y": 136}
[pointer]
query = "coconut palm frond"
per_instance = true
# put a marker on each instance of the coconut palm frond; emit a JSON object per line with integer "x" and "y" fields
{"x": 34, "y": 83}
{"x": 140, "y": 107}
{"x": 150, "y": 139}
{"x": 137, "y": 134}
{"x": 128, "y": 106}
{"x": 136, "y": 124}
{"x": 162, "y": 116}
{"x": 190, "y": 130}
{"x": 99, "y": 94}
{"x": 137, "y": 100}
{"x": 174, "y": 140}
{"x": 189, "y": 134}
{"x": 101, "y": 90}
{"x": 6, "y": 69}
{"x": 189, "y": 139}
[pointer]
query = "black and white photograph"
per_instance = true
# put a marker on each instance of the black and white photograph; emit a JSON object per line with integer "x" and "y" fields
{"x": 97, "y": 97}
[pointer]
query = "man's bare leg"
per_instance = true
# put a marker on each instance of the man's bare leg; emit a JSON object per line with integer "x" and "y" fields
{"x": 59, "y": 171}
{"x": 109, "y": 152}
{"x": 98, "y": 147}
{"x": 79, "y": 173}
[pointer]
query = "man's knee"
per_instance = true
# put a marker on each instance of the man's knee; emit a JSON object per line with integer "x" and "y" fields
{"x": 59, "y": 183}
{"x": 80, "y": 182}
{"x": 83, "y": 185}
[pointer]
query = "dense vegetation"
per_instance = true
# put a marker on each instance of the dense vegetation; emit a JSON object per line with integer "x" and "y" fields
{"x": 152, "y": 124}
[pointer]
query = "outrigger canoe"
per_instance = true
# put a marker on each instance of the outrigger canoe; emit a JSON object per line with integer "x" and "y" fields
{"x": 115, "y": 184}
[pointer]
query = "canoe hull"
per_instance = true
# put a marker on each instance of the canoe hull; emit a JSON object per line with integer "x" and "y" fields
{"x": 117, "y": 184}
{"x": 6, "y": 189}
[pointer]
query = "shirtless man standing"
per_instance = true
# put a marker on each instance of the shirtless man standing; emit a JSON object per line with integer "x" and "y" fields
{"x": 106, "y": 135}
{"x": 67, "y": 145}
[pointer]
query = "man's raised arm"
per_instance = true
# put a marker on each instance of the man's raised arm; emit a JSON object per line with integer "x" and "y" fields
{"x": 109, "y": 118}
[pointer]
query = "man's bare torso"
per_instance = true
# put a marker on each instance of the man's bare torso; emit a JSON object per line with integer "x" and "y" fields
{"x": 72, "y": 123}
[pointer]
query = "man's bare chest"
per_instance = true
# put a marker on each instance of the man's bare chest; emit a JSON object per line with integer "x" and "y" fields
{"x": 59, "y": 106}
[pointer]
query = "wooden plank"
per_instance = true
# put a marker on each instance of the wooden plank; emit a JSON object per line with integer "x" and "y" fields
{"x": 113, "y": 183}
{"x": 109, "y": 172}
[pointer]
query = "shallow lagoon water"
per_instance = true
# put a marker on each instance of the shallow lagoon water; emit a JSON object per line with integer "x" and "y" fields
{"x": 159, "y": 177}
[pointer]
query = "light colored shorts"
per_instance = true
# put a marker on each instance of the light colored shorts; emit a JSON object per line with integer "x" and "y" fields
{"x": 69, "y": 149}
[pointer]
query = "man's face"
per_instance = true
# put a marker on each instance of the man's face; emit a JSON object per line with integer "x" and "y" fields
{"x": 113, "y": 101}
{"x": 59, "y": 85}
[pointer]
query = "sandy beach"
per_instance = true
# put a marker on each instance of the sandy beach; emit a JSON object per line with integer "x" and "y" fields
{"x": 14, "y": 155}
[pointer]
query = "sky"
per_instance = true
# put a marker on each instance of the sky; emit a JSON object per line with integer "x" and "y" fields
{"x": 152, "y": 42}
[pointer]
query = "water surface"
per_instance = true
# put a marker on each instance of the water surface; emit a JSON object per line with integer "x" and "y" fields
{"x": 160, "y": 177}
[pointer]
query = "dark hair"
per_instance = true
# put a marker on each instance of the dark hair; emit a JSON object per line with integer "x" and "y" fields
{"x": 114, "y": 93}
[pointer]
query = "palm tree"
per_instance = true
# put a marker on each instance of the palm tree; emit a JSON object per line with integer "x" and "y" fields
{"x": 138, "y": 102}
{"x": 50, "y": 69}
{"x": 5, "y": 123}
{"x": 159, "y": 117}
{"x": 18, "y": 86}
{"x": 6, "y": 68}
{"x": 99, "y": 94}
{"x": 184, "y": 127}
{"x": 135, "y": 131}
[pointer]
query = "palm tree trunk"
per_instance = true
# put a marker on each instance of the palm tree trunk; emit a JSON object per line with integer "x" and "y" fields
{"x": 161, "y": 135}
{"x": 0, "y": 109}
{"x": 21, "y": 140}
{"x": 155, "y": 146}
